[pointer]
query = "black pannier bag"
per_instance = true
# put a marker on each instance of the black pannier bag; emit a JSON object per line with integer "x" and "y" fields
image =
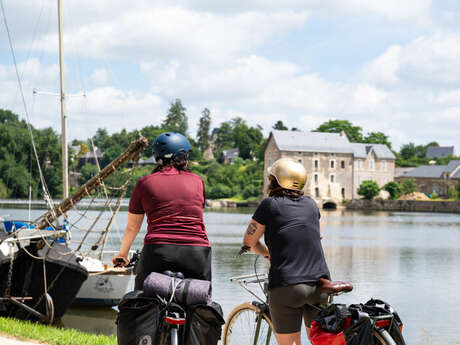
{"x": 139, "y": 319}
{"x": 204, "y": 324}
{"x": 341, "y": 325}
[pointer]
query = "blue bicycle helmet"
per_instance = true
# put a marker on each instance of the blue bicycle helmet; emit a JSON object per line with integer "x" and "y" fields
{"x": 169, "y": 144}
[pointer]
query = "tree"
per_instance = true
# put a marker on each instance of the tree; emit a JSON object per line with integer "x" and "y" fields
{"x": 4, "y": 192}
{"x": 354, "y": 133}
{"x": 369, "y": 189}
{"x": 247, "y": 139}
{"x": 377, "y": 138}
{"x": 224, "y": 137}
{"x": 408, "y": 151}
{"x": 394, "y": 189}
{"x": 87, "y": 171}
{"x": 176, "y": 119}
{"x": 408, "y": 186}
{"x": 204, "y": 126}
{"x": 279, "y": 125}
{"x": 458, "y": 190}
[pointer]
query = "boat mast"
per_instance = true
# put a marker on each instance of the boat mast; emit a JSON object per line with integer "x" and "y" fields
{"x": 65, "y": 169}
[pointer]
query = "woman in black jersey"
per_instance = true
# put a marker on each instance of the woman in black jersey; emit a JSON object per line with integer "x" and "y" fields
{"x": 290, "y": 223}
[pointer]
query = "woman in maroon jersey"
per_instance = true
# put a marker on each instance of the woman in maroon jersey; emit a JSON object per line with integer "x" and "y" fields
{"x": 173, "y": 198}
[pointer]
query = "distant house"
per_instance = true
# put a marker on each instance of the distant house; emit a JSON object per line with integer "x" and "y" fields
{"x": 435, "y": 178}
{"x": 90, "y": 157}
{"x": 439, "y": 151}
{"x": 335, "y": 166}
{"x": 229, "y": 156}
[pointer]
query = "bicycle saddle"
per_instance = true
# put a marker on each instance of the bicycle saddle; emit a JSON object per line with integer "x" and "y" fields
{"x": 334, "y": 287}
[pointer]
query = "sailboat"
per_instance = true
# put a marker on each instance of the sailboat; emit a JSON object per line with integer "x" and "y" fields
{"x": 40, "y": 275}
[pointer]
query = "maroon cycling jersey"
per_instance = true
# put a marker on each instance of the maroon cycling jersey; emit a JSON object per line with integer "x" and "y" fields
{"x": 173, "y": 201}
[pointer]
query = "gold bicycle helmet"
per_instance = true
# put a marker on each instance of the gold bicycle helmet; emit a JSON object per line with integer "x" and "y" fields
{"x": 289, "y": 174}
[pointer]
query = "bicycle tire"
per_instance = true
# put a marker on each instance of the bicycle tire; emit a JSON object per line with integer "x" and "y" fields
{"x": 241, "y": 324}
{"x": 384, "y": 337}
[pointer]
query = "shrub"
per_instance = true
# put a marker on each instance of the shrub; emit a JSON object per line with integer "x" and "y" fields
{"x": 458, "y": 190}
{"x": 394, "y": 189}
{"x": 434, "y": 196}
{"x": 369, "y": 189}
{"x": 251, "y": 191}
{"x": 219, "y": 191}
{"x": 408, "y": 186}
{"x": 452, "y": 193}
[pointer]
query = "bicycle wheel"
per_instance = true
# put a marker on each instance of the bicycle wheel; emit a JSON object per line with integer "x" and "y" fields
{"x": 384, "y": 337}
{"x": 241, "y": 326}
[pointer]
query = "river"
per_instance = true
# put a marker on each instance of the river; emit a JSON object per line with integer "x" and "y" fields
{"x": 410, "y": 260}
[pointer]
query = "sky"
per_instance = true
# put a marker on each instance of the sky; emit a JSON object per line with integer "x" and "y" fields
{"x": 391, "y": 66}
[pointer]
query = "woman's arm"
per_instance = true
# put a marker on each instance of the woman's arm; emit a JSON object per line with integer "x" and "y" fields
{"x": 131, "y": 231}
{"x": 252, "y": 236}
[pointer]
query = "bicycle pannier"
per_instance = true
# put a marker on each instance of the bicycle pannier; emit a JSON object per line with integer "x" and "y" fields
{"x": 138, "y": 320}
{"x": 204, "y": 324}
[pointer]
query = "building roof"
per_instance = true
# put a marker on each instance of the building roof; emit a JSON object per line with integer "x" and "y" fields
{"x": 311, "y": 141}
{"x": 90, "y": 154}
{"x": 439, "y": 151}
{"x": 435, "y": 171}
{"x": 230, "y": 153}
{"x": 148, "y": 161}
{"x": 381, "y": 151}
{"x": 327, "y": 142}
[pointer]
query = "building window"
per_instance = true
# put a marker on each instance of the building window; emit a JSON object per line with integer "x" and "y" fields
{"x": 371, "y": 164}
{"x": 342, "y": 164}
{"x": 300, "y": 161}
{"x": 332, "y": 164}
{"x": 316, "y": 153}
{"x": 317, "y": 192}
{"x": 316, "y": 164}
{"x": 384, "y": 165}
{"x": 332, "y": 178}
{"x": 359, "y": 163}
{"x": 343, "y": 193}
{"x": 316, "y": 178}
{"x": 332, "y": 154}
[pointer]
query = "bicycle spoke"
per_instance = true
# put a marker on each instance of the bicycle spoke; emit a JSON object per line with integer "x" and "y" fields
{"x": 243, "y": 329}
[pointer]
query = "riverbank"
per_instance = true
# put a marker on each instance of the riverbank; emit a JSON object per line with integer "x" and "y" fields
{"x": 405, "y": 205}
{"x": 98, "y": 204}
{"x": 18, "y": 332}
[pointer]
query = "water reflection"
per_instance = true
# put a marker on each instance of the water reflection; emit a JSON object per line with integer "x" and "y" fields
{"x": 407, "y": 259}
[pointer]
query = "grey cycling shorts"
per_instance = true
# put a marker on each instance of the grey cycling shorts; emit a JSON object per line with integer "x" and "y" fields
{"x": 289, "y": 303}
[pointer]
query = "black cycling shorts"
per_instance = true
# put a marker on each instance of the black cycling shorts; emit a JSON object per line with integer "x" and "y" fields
{"x": 193, "y": 261}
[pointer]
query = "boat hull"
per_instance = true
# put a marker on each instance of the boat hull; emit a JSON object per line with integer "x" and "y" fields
{"x": 64, "y": 277}
{"x": 104, "y": 289}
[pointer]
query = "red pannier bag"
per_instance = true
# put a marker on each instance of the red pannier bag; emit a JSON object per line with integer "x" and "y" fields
{"x": 319, "y": 336}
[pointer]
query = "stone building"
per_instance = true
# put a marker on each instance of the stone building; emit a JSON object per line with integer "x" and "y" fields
{"x": 435, "y": 178}
{"x": 336, "y": 167}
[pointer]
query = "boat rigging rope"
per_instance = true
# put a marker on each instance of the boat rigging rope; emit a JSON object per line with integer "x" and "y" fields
{"x": 42, "y": 179}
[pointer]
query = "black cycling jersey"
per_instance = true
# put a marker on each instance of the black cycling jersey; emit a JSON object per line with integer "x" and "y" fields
{"x": 293, "y": 240}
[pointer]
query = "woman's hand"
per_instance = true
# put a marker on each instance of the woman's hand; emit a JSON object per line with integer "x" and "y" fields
{"x": 120, "y": 260}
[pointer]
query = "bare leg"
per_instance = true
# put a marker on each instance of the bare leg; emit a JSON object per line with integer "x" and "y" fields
{"x": 288, "y": 338}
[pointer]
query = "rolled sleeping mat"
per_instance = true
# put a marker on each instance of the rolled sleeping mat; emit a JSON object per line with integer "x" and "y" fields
{"x": 188, "y": 291}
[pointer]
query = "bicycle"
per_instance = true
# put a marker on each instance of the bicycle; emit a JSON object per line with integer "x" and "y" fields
{"x": 250, "y": 322}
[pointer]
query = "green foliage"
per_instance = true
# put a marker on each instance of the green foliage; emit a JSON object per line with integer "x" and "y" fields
{"x": 18, "y": 167}
{"x": 394, "y": 189}
{"x": 377, "y": 138}
{"x": 204, "y": 126}
{"x": 458, "y": 190}
{"x": 408, "y": 186}
{"x": 4, "y": 192}
{"x": 369, "y": 189}
{"x": 354, "y": 133}
{"x": 176, "y": 119}
{"x": 279, "y": 125}
{"x": 452, "y": 193}
{"x": 243, "y": 178}
{"x": 434, "y": 196}
{"x": 87, "y": 171}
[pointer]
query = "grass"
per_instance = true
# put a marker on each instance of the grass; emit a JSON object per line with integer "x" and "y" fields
{"x": 27, "y": 330}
